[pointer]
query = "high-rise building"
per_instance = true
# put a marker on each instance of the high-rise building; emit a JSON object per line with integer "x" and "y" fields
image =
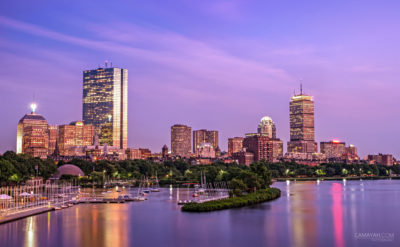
{"x": 181, "y": 140}
{"x": 302, "y": 138}
{"x": 263, "y": 147}
{"x": 33, "y": 135}
{"x": 74, "y": 134}
{"x": 334, "y": 149}
{"x": 204, "y": 136}
{"x": 235, "y": 145}
{"x": 267, "y": 127}
{"x": 105, "y": 104}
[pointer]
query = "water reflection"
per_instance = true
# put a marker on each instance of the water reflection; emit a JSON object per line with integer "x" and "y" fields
{"x": 303, "y": 214}
{"x": 307, "y": 214}
{"x": 30, "y": 236}
{"x": 337, "y": 213}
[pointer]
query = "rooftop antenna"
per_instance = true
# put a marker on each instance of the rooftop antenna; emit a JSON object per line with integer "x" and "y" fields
{"x": 301, "y": 86}
{"x": 111, "y": 63}
{"x": 106, "y": 63}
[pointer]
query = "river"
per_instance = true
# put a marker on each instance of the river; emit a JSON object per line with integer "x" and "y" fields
{"x": 310, "y": 213}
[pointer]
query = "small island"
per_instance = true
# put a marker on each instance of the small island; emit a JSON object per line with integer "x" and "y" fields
{"x": 248, "y": 187}
{"x": 234, "y": 202}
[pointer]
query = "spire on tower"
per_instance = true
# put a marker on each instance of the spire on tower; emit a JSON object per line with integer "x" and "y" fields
{"x": 33, "y": 108}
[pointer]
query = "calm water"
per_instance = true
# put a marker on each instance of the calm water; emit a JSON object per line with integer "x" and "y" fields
{"x": 333, "y": 213}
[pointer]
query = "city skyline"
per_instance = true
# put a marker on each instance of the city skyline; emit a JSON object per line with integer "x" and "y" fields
{"x": 36, "y": 49}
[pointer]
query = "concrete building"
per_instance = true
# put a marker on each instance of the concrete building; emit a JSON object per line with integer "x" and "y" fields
{"x": 33, "y": 135}
{"x": 206, "y": 150}
{"x": 145, "y": 153}
{"x": 302, "y": 138}
{"x": 310, "y": 159}
{"x": 263, "y": 147}
{"x": 133, "y": 154}
{"x": 105, "y": 104}
{"x": 181, "y": 140}
{"x": 235, "y": 145}
{"x": 243, "y": 157}
{"x": 75, "y": 134}
{"x": 381, "y": 159}
{"x": 204, "y": 136}
{"x": 333, "y": 149}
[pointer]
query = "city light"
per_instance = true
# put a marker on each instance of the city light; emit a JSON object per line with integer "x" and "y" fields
{"x": 33, "y": 107}
{"x": 335, "y": 141}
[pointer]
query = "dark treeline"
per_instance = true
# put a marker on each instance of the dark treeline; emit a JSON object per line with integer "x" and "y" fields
{"x": 18, "y": 168}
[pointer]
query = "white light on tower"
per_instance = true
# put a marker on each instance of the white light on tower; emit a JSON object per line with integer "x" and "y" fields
{"x": 33, "y": 107}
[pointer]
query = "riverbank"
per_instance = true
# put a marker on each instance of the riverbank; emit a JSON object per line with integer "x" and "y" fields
{"x": 24, "y": 214}
{"x": 334, "y": 178}
{"x": 234, "y": 202}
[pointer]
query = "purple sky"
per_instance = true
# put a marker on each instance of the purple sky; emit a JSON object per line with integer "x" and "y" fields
{"x": 209, "y": 64}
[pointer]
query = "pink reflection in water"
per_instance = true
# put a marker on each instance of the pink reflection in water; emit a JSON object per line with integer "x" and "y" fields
{"x": 337, "y": 213}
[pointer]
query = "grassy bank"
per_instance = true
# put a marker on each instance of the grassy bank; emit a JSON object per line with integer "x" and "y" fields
{"x": 234, "y": 202}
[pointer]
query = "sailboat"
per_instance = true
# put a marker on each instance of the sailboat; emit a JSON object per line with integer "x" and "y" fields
{"x": 147, "y": 189}
{"x": 156, "y": 187}
{"x": 199, "y": 190}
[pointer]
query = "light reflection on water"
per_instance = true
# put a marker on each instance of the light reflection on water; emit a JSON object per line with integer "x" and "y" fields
{"x": 324, "y": 213}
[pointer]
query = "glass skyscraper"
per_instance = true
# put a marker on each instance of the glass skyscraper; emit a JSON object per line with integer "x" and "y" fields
{"x": 105, "y": 104}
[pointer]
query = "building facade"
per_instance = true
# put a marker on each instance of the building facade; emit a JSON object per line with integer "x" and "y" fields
{"x": 263, "y": 147}
{"x": 75, "y": 134}
{"x": 206, "y": 150}
{"x": 33, "y": 135}
{"x": 302, "y": 139}
{"x": 235, "y": 145}
{"x": 333, "y": 149}
{"x": 204, "y": 136}
{"x": 243, "y": 157}
{"x": 267, "y": 127}
{"x": 105, "y": 104}
{"x": 381, "y": 159}
{"x": 181, "y": 140}
{"x": 53, "y": 136}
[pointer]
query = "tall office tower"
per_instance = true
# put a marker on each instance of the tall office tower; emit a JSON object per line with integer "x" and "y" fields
{"x": 181, "y": 140}
{"x": 204, "y": 136}
{"x": 105, "y": 104}
{"x": 267, "y": 127}
{"x": 73, "y": 135}
{"x": 33, "y": 135}
{"x": 302, "y": 124}
{"x": 333, "y": 149}
{"x": 53, "y": 136}
{"x": 235, "y": 145}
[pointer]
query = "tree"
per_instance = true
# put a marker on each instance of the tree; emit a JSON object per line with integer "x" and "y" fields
{"x": 7, "y": 170}
{"x": 237, "y": 186}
